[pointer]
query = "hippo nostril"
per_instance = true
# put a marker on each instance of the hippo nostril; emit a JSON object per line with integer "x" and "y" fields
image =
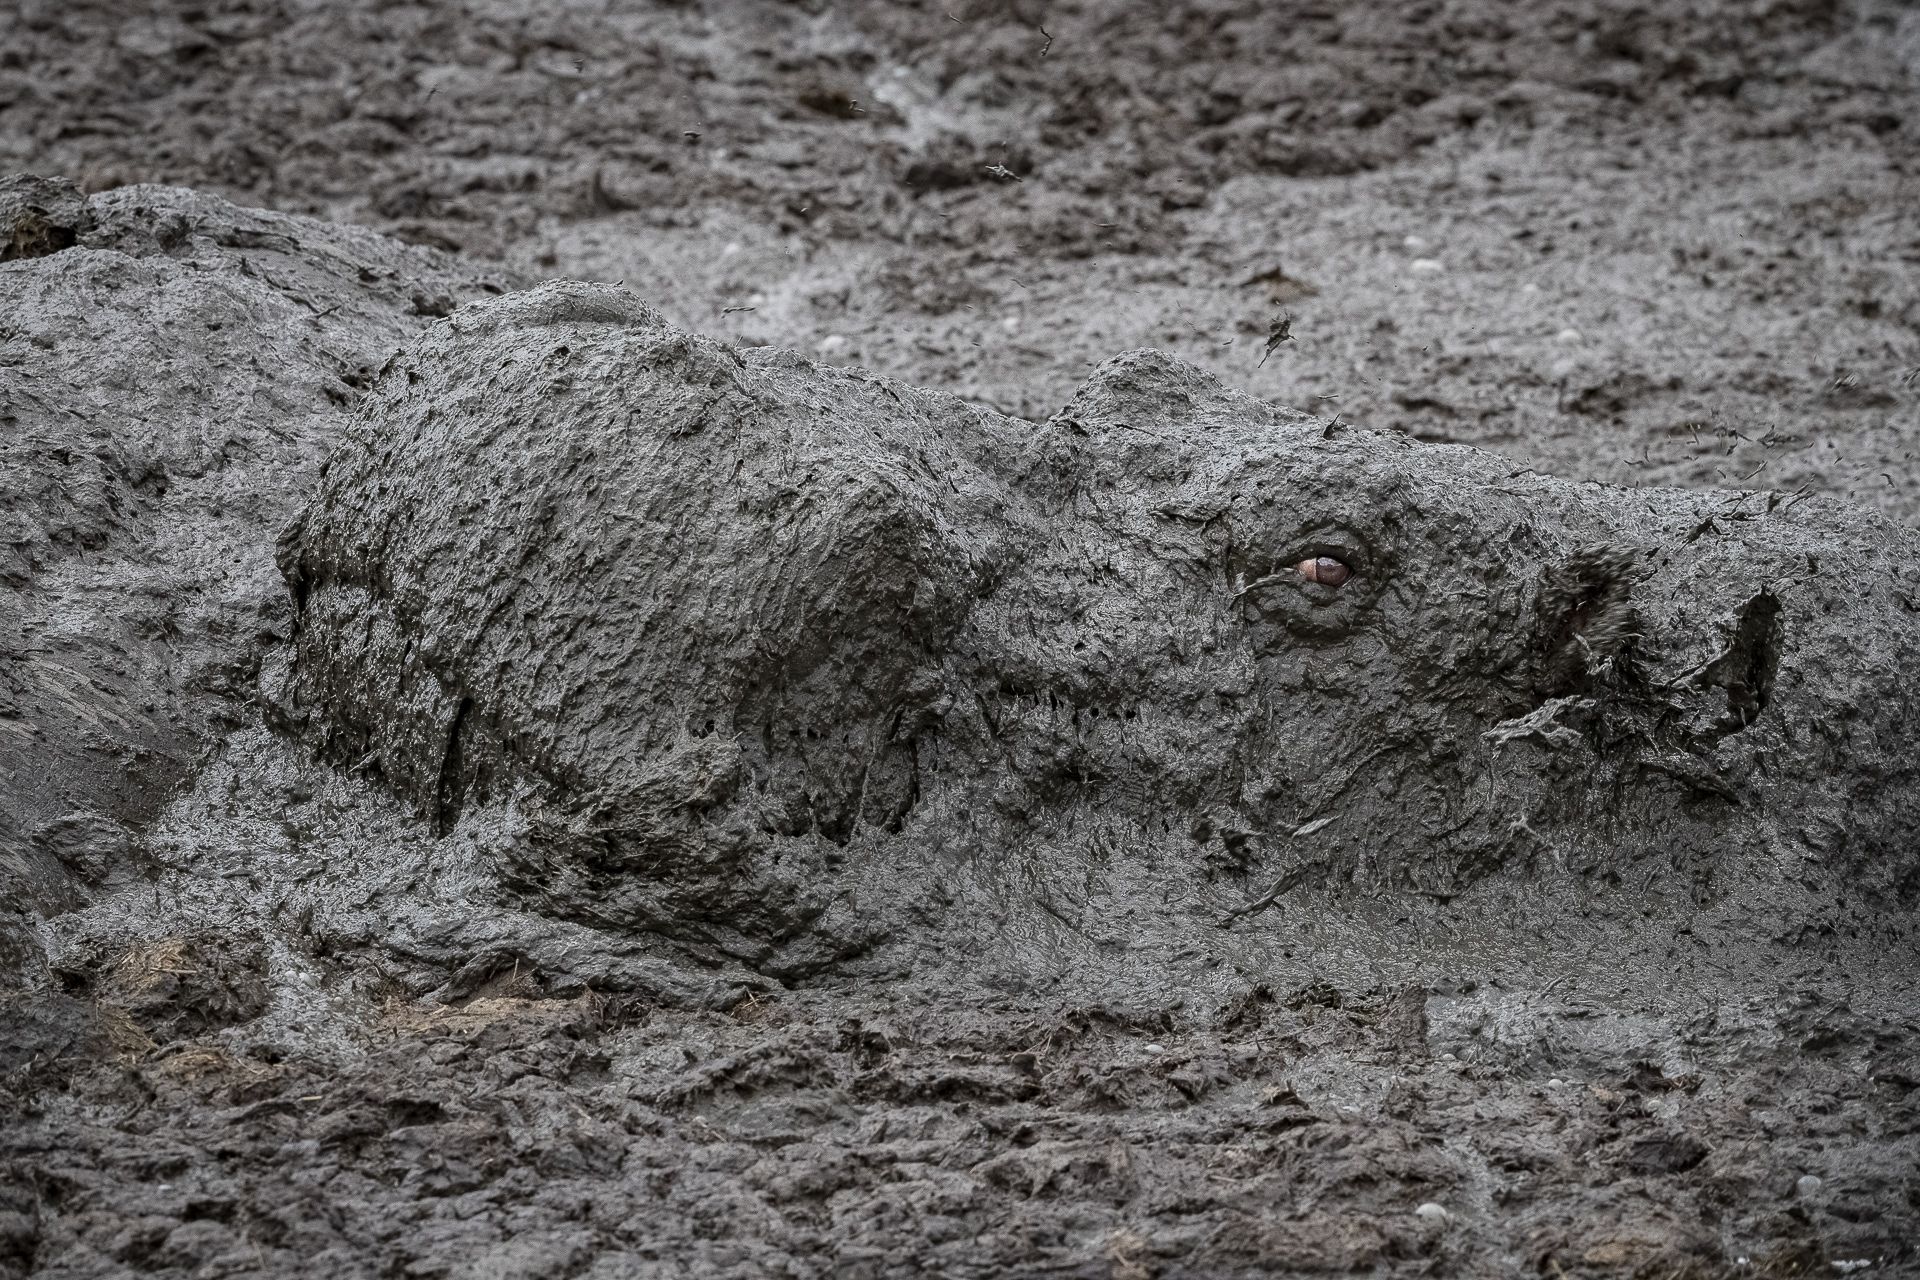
{"x": 1324, "y": 570}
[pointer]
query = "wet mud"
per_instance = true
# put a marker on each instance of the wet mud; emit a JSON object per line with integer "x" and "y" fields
{"x": 880, "y": 744}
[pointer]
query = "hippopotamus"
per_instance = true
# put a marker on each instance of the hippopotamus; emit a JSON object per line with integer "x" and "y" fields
{"x": 778, "y": 658}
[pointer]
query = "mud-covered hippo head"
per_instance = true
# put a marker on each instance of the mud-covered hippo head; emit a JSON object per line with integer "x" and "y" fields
{"x": 749, "y": 645}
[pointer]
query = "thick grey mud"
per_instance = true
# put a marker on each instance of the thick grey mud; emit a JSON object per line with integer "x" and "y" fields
{"x": 511, "y": 781}
{"x": 691, "y": 786}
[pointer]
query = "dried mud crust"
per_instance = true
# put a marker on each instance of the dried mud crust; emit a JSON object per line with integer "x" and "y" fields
{"x": 465, "y": 127}
{"x": 1316, "y": 1131}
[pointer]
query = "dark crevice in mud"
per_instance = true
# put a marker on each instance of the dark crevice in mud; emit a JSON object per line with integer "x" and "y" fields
{"x": 1745, "y": 671}
{"x": 451, "y": 793}
{"x": 286, "y": 556}
{"x": 37, "y": 237}
{"x": 40, "y": 217}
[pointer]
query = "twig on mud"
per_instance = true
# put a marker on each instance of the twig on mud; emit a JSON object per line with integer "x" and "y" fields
{"x": 1271, "y": 896}
{"x": 727, "y": 311}
{"x": 1271, "y": 579}
{"x": 1048, "y": 45}
{"x": 1542, "y": 724}
{"x": 1279, "y": 330}
{"x": 1003, "y": 173}
{"x": 1775, "y": 498}
{"x": 1288, "y": 879}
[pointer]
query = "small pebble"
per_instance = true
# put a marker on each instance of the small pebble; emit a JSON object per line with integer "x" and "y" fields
{"x": 1156, "y": 1048}
{"x": 1414, "y": 244}
{"x": 1428, "y": 265}
{"x": 1569, "y": 336}
{"x": 834, "y": 343}
{"x": 1011, "y": 324}
{"x": 1808, "y": 1185}
{"x": 1431, "y": 1212}
{"x": 1555, "y": 1083}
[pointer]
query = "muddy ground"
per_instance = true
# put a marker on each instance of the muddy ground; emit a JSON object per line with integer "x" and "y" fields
{"x": 1673, "y": 245}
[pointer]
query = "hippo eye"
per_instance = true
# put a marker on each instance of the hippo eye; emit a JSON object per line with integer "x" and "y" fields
{"x": 1325, "y": 570}
{"x": 1318, "y": 583}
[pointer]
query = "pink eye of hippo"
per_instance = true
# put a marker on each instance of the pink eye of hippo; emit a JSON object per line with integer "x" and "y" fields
{"x": 1324, "y": 570}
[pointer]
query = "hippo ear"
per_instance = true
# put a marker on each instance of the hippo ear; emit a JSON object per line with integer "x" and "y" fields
{"x": 1151, "y": 389}
{"x": 1143, "y": 417}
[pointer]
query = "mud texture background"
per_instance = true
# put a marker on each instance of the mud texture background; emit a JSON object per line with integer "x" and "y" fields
{"x": 263, "y": 1018}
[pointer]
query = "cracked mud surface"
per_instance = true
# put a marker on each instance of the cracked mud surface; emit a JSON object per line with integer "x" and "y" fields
{"x": 1284, "y": 1134}
{"x": 262, "y": 1017}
